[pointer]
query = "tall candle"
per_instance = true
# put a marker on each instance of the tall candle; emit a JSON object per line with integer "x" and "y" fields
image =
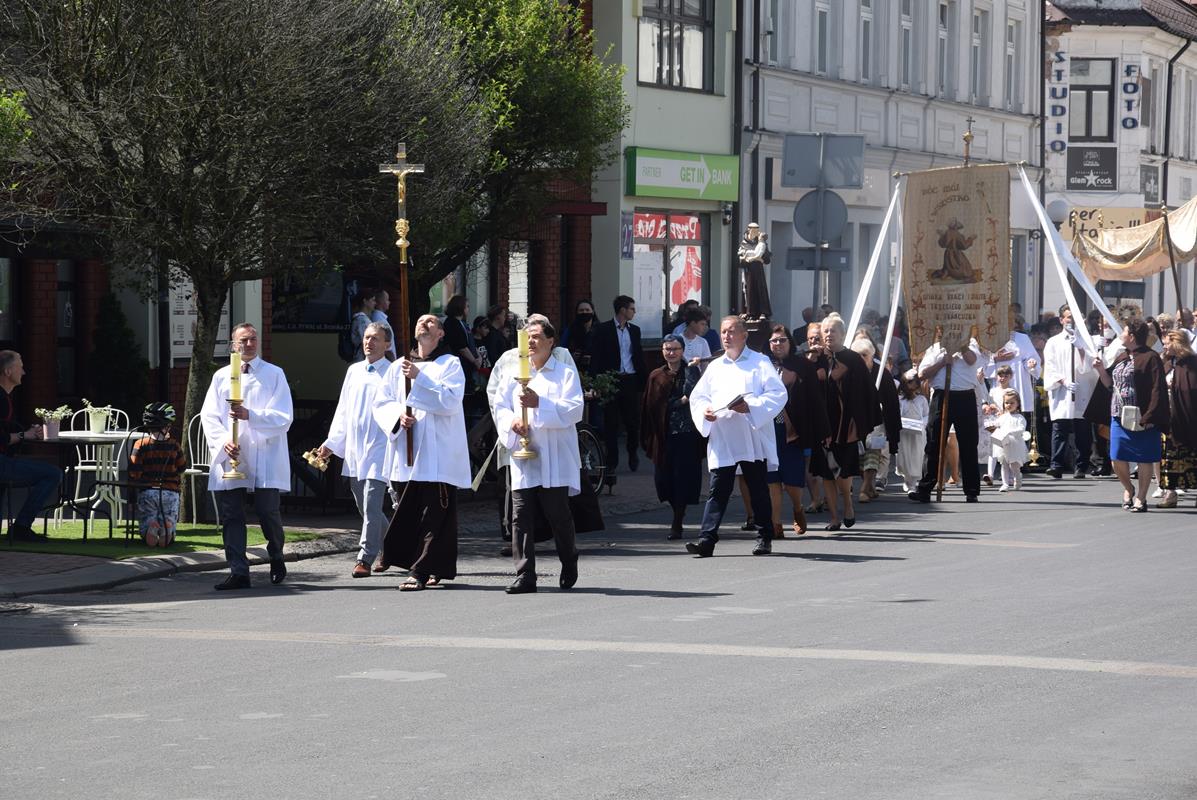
{"x": 234, "y": 376}
{"x": 525, "y": 371}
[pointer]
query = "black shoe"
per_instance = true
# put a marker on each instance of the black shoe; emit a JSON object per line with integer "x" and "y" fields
{"x": 763, "y": 547}
{"x": 1080, "y": 473}
{"x": 702, "y": 548}
{"x": 22, "y": 533}
{"x": 918, "y": 497}
{"x": 849, "y": 522}
{"x": 832, "y": 526}
{"x": 278, "y": 571}
{"x": 748, "y": 525}
{"x": 233, "y": 582}
{"x": 673, "y": 535}
{"x": 569, "y": 574}
{"x": 522, "y": 585}
{"x": 971, "y": 498}
{"x": 633, "y": 462}
{"x": 1055, "y": 472}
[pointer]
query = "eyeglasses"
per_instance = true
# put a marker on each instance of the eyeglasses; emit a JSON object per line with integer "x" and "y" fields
{"x": 779, "y": 341}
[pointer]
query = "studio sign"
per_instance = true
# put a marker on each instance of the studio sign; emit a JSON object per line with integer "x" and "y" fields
{"x": 1092, "y": 169}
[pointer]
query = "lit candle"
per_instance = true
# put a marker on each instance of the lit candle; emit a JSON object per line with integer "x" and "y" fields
{"x": 234, "y": 376}
{"x": 525, "y": 371}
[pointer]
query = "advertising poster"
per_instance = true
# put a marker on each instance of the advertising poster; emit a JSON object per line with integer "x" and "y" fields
{"x": 685, "y": 274}
{"x": 648, "y": 281}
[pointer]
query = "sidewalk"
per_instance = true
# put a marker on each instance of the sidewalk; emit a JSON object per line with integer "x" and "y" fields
{"x": 23, "y": 574}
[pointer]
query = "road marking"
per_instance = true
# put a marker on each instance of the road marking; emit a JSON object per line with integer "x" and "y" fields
{"x": 1008, "y": 543}
{"x": 395, "y": 675}
{"x": 1131, "y": 668}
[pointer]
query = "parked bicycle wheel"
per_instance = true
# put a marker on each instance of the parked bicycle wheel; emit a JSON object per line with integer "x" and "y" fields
{"x": 593, "y": 455}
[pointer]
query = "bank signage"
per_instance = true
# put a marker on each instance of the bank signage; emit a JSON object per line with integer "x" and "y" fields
{"x": 1092, "y": 169}
{"x": 672, "y": 173}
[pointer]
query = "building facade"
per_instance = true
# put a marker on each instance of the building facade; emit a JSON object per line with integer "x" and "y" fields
{"x": 667, "y": 235}
{"x": 907, "y": 75}
{"x": 1121, "y": 134}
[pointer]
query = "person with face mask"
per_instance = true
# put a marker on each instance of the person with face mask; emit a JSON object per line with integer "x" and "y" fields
{"x": 1069, "y": 379}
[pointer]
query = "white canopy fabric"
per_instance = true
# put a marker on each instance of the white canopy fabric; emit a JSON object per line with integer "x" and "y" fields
{"x": 1121, "y": 254}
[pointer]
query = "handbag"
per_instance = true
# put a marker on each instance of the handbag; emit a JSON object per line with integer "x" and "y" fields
{"x": 1130, "y": 418}
{"x": 876, "y": 441}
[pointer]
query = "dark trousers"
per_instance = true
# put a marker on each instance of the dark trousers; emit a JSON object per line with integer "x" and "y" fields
{"x": 625, "y": 408}
{"x": 42, "y": 479}
{"x": 231, "y": 504}
{"x": 553, "y": 503}
{"x": 962, "y": 413}
{"x": 723, "y": 480}
{"x": 1081, "y": 434}
{"x": 505, "y": 503}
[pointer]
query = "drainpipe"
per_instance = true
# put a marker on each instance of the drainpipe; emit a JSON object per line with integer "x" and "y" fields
{"x": 738, "y": 143}
{"x": 1042, "y": 273}
{"x": 1168, "y": 154}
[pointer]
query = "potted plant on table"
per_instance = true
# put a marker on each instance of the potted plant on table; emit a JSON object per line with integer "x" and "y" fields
{"x": 52, "y": 420}
{"x": 97, "y": 416}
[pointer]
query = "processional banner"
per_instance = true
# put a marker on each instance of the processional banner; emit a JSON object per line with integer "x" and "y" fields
{"x": 956, "y": 256}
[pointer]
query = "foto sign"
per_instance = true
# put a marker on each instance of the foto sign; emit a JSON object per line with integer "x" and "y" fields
{"x": 672, "y": 173}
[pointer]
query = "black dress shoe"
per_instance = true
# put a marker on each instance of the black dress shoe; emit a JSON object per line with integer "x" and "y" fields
{"x": 522, "y": 585}
{"x": 919, "y": 497}
{"x": 971, "y": 498}
{"x": 1055, "y": 472}
{"x": 569, "y": 574}
{"x": 763, "y": 547}
{"x": 22, "y": 533}
{"x": 1080, "y": 473}
{"x": 674, "y": 535}
{"x": 849, "y": 522}
{"x": 233, "y": 582}
{"x": 278, "y": 571}
{"x": 701, "y": 548}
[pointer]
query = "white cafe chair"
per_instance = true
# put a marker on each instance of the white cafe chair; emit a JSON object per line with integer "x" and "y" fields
{"x": 201, "y": 464}
{"x": 87, "y": 456}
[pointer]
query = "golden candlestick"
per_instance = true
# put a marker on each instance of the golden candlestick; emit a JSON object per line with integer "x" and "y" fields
{"x": 1033, "y": 453}
{"x": 525, "y": 451}
{"x": 234, "y": 474}
{"x": 315, "y": 460}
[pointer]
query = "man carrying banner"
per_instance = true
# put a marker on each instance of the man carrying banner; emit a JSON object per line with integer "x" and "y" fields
{"x": 959, "y": 402}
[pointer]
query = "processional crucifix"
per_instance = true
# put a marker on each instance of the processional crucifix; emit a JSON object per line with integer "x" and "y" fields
{"x": 401, "y": 169}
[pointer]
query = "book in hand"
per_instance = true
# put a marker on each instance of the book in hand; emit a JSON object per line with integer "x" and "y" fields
{"x": 730, "y": 403}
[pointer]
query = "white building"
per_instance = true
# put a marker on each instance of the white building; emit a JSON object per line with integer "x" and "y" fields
{"x": 664, "y": 239}
{"x": 905, "y": 74}
{"x": 1122, "y": 123}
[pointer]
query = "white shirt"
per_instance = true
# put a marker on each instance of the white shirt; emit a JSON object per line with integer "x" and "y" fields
{"x": 441, "y": 454}
{"x": 624, "y": 336}
{"x": 695, "y": 348}
{"x": 501, "y": 374}
{"x": 265, "y": 458}
{"x": 736, "y": 437}
{"x": 381, "y": 318}
{"x": 1023, "y": 379}
{"x": 915, "y": 413}
{"x": 964, "y": 374}
{"x": 1058, "y": 372}
{"x": 553, "y": 435}
{"x": 353, "y": 435}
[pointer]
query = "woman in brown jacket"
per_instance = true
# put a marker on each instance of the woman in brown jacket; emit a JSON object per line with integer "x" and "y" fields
{"x": 1139, "y": 411}
{"x": 1178, "y": 467}
{"x": 667, "y": 432}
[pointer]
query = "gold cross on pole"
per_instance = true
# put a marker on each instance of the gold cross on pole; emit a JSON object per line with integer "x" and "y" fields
{"x": 401, "y": 169}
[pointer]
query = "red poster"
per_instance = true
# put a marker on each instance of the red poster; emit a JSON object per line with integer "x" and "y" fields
{"x": 685, "y": 228}
{"x": 685, "y": 274}
{"x": 649, "y": 226}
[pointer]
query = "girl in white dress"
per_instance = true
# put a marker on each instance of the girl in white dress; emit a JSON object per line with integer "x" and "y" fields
{"x": 915, "y": 411}
{"x": 1009, "y": 441}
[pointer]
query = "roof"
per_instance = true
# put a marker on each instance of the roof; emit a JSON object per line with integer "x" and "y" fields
{"x": 1178, "y": 17}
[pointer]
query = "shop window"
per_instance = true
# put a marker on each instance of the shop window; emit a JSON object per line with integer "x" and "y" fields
{"x": 1091, "y": 100}
{"x": 670, "y": 250}
{"x": 677, "y": 44}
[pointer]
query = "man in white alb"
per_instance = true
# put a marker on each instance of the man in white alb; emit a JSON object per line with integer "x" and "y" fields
{"x": 421, "y": 402}
{"x": 1069, "y": 379}
{"x": 734, "y": 404}
{"x": 361, "y": 444}
{"x": 265, "y": 415}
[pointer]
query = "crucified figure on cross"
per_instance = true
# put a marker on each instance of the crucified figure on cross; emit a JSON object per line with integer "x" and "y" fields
{"x": 401, "y": 169}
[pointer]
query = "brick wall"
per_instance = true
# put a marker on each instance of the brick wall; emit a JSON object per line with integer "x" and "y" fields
{"x": 91, "y": 283}
{"x": 38, "y": 336}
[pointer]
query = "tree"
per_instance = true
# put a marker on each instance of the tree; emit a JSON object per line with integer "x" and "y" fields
{"x": 230, "y": 140}
{"x": 14, "y": 122}
{"x": 556, "y": 112}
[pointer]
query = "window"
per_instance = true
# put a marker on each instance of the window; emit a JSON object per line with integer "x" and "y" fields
{"x": 772, "y": 27}
{"x": 1091, "y": 100}
{"x": 1013, "y": 72}
{"x": 670, "y": 251}
{"x": 1192, "y": 103}
{"x": 866, "y": 40}
{"x": 676, "y": 44}
{"x": 978, "y": 58}
{"x": 822, "y": 38}
{"x": 905, "y": 43}
{"x": 943, "y": 70}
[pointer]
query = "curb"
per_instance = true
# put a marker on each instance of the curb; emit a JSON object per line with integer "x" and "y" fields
{"x": 115, "y": 573}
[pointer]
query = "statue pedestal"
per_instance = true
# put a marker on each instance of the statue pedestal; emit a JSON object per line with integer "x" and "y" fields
{"x": 758, "y": 333}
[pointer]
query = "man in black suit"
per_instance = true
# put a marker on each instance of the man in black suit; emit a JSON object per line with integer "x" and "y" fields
{"x": 615, "y": 347}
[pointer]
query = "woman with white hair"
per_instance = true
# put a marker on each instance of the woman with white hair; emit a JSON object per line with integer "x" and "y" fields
{"x": 885, "y": 437}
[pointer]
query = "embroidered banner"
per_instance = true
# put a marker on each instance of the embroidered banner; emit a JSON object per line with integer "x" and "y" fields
{"x": 956, "y": 256}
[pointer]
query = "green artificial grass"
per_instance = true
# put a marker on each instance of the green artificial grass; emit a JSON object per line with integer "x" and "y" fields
{"x": 67, "y": 539}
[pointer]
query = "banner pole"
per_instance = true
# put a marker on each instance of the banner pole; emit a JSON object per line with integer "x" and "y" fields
{"x": 1171, "y": 258}
{"x": 943, "y": 428}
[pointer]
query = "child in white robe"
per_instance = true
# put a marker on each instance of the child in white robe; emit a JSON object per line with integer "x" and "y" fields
{"x": 916, "y": 410}
{"x": 1009, "y": 442}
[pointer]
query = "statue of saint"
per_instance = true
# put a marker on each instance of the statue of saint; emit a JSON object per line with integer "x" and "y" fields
{"x": 754, "y": 255}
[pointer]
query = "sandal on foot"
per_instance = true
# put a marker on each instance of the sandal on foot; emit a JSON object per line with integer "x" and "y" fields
{"x": 433, "y": 580}
{"x": 412, "y": 584}
{"x": 832, "y": 526}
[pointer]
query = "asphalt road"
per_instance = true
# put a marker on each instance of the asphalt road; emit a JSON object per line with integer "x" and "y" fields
{"x": 1038, "y": 645}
